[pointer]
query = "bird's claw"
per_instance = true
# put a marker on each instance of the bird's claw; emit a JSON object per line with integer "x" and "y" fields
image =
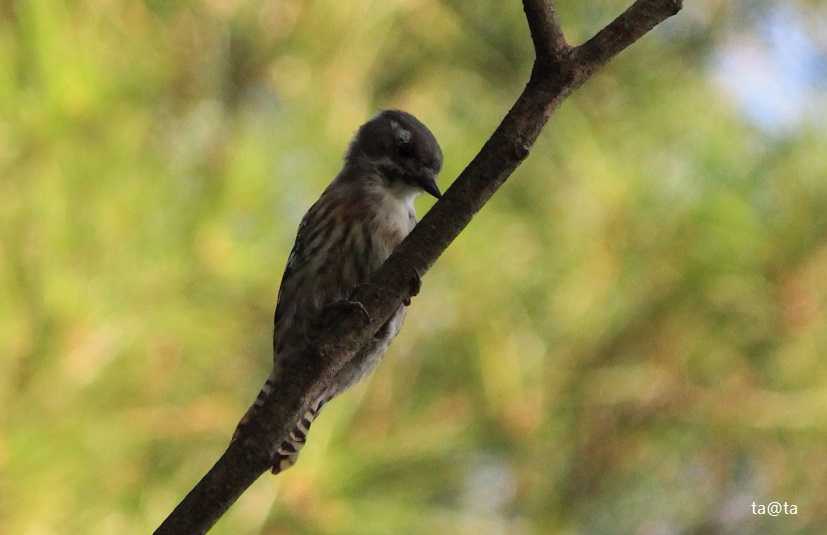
{"x": 351, "y": 305}
{"x": 332, "y": 314}
{"x": 415, "y": 285}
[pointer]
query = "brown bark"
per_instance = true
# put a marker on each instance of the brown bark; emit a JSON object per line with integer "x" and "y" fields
{"x": 558, "y": 69}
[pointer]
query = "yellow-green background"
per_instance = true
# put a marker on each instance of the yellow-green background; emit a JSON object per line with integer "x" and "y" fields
{"x": 629, "y": 338}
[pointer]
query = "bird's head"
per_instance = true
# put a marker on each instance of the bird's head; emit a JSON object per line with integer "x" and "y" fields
{"x": 400, "y": 149}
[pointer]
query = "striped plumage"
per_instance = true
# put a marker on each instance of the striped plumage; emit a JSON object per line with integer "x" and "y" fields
{"x": 346, "y": 235}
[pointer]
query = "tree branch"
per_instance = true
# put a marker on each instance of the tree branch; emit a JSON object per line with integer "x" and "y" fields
{"x": 630, "y": 26}
{"x": 548, "y": 38}
{"x": 558, "y": 69}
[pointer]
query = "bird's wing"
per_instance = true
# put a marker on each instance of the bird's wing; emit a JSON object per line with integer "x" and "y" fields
{"x": 314, "y": 276}
{"x": 291, "y": 283}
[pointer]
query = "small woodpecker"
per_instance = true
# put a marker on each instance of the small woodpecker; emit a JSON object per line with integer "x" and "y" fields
{"x": 365, "y": 212}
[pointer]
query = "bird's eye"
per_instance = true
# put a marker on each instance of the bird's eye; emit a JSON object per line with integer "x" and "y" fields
{"x": 405, "y": 149}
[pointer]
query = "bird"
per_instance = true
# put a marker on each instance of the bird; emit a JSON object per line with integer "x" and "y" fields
{"x": 346, "y": 235}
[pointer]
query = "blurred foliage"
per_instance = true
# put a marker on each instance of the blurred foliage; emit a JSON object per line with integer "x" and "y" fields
{"x": 628, "y": 339}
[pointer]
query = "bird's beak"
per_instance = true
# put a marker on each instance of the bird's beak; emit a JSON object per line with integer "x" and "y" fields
{"x": 427, "y": 181}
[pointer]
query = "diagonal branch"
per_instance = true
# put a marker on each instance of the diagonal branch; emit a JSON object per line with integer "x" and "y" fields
{"x": 630, "y": 26}
{"x": 558, "y": 69}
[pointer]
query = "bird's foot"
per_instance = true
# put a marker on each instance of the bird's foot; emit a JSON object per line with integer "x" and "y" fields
{"x": 348, "y": 305}
{"x": 333, "y": 312}
{"x": 415, "y": 285}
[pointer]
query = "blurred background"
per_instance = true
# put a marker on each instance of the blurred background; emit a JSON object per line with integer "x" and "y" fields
{"x": 629, "y": 338}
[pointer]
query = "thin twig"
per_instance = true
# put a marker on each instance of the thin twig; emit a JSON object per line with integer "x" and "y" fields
{"x": 548, "y": 38}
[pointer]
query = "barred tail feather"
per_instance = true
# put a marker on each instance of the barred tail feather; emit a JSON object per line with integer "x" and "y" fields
{"x": 288, "y": 452}
{"x": 263, "y": 394}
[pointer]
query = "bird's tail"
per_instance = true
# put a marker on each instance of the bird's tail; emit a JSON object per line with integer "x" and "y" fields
{"x": 287, "y": 453}
{"x": 263, "y": 394}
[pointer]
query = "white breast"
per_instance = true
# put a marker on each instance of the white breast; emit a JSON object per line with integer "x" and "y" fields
{"x": 393, "y": 219}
